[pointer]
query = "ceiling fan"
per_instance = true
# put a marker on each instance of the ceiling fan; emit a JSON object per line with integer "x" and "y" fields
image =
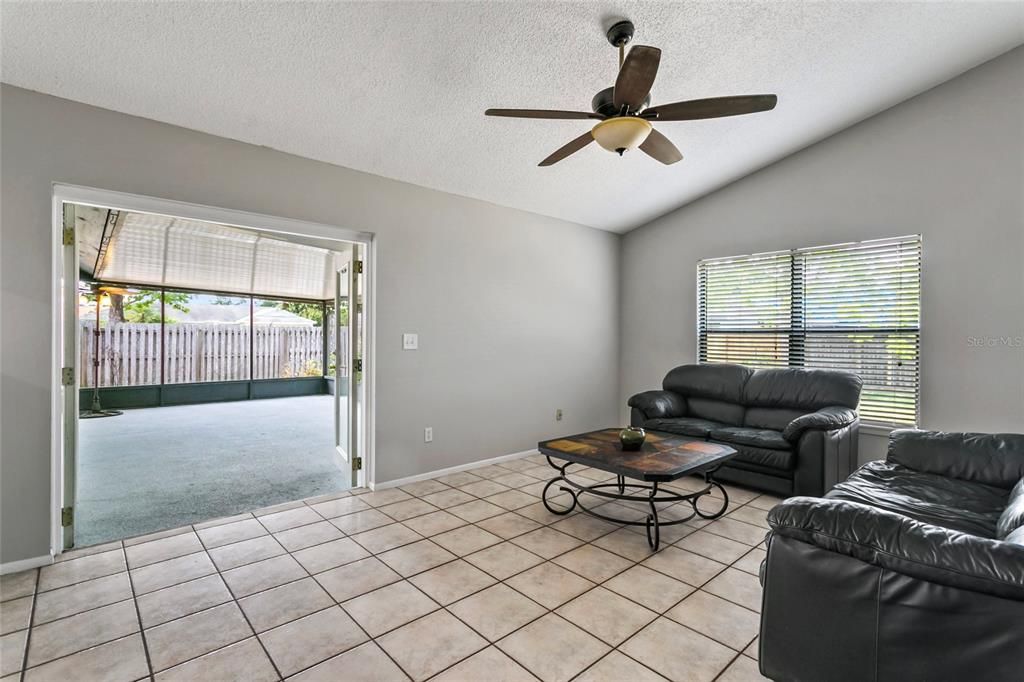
{"x": 624, "y": 113}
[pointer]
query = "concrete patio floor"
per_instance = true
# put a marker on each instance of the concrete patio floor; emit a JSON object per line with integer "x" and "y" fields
{"x": 164, "y": 467}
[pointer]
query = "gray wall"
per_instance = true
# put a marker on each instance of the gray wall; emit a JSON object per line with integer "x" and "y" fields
{"x": 517, "y": 314}
{"x": 949, "y": 165}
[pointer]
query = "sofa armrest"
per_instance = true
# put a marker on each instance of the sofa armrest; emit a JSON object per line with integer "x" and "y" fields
{"x": 902, "y": 544}
{"x": 825, "y": 419}
{"x": 659, "y": 404}
{"x": 991, "y": 458}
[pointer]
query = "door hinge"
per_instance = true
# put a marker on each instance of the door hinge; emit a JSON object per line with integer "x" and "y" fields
{"x": 357, "y": 266}
{"x": 67, "y": 376}
{"x": 358, "y": 364}
{"x": 67, "y": 516}
{"x": 358, "y": 463}
{"x": 68, "y": 236}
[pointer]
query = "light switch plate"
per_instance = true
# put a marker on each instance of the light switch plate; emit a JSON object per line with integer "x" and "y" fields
{"x": 410, "y": 341}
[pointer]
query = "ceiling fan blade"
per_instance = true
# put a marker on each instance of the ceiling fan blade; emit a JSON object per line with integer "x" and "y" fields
{"x": 713, "y": 107}
{"x": 636, "y": 76}
{"x": 542, "y": 113}
{"x": 571, "y": 148}
{"x": 660, "y": 148}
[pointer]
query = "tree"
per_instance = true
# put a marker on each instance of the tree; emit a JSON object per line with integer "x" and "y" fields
{"x": 144, "y": 306}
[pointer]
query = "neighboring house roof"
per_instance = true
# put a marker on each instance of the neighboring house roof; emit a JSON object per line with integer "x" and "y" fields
{"x": 278, "y": 317}
{"x": 199, "y": 313}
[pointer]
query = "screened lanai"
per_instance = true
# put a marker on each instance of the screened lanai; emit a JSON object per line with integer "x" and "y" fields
{"x": 210, "y": 375}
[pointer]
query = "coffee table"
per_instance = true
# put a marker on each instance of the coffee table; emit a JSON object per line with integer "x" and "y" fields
{"x": 664, "y": 457}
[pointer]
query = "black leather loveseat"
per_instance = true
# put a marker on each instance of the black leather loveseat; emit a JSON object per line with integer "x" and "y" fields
{"x": 794, "y": 430}
{"x": 913, "y": 569}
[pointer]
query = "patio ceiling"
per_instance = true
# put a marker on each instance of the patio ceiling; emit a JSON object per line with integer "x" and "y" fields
{"x": 161, "y": 251}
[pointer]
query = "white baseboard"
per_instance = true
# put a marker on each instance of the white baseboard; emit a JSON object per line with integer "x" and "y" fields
{"x": 25, "y": 564}
{"x": 451, "y": 470}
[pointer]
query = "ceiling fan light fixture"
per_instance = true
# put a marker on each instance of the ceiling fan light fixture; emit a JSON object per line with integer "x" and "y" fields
{"x": 621, "y": 133}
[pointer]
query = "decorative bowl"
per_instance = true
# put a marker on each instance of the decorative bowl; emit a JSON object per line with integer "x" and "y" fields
{"x": 632, "y": 438}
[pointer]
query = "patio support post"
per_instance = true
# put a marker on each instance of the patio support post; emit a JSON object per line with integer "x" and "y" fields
{"x": 323, "y": 339}
{"x": 163, "y": 342}
{"x": 252, "y": 343}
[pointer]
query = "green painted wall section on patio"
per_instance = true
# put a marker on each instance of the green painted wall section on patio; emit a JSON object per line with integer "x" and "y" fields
{"x": 128, "y": 397}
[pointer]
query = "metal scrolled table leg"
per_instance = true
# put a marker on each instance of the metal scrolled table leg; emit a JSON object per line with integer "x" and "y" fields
{"x": 556, "y": 479}
{"x": 652, "y": 520}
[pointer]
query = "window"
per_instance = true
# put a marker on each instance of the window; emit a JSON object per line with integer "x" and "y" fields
{"x": 852, "y": 306}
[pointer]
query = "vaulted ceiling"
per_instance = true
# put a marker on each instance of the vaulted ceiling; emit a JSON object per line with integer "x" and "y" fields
{"x": 398, "y": 89}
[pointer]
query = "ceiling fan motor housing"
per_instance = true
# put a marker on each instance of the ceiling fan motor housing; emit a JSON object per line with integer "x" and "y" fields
{"x": 603, "y": 104}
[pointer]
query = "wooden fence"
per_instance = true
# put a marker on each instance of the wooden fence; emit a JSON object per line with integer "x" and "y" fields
{"x": 130, "y": 353}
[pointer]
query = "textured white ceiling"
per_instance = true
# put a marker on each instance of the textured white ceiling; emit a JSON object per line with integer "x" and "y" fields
{"x": 399, "y": 89}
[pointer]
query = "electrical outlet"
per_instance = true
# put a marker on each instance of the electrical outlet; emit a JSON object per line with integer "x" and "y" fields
{"x": 558, "y": 415}
{"x": 428, "y": 434}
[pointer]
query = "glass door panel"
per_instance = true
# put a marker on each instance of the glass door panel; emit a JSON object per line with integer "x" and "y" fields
{"x": 341, "y": 357}
{"x": 348, "y": 353}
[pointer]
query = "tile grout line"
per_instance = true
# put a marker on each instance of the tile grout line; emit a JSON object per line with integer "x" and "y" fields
{"x": 30, "y": 626}
{"x": 336, "y": 603}
{"x": 727, "y": 666}
{"x": 131, "y": 598}
{"x": 615, "y": 650}
{"x": 138, "y": 614}
{"x": 234, "y": 600}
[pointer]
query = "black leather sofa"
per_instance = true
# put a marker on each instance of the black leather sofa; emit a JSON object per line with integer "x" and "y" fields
{"x": 795, "y": 430}
{"x": 913, "y": 569}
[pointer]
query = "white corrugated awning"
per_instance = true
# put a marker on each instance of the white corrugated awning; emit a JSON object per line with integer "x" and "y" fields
{"x": 161, "y": 251}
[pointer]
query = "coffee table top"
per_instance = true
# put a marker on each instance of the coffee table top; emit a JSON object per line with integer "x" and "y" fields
{"x": 663, "y": 456}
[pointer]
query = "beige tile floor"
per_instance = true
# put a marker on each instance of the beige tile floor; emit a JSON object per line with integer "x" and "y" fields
{"x": 466, "y": 577}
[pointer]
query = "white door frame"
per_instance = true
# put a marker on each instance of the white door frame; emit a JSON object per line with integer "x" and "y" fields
{"x": 144, "y": 204}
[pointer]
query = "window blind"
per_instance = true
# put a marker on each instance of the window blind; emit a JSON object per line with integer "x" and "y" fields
{"x": 853, "y": 306}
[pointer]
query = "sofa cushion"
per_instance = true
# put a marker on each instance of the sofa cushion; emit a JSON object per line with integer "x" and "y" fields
{"x": 761, "y": 438}
{"x": 682, "y": 426}
{"x": 775, "y": 418}
{"x": 717, "y": 381}
{"x": 968, "y": 507}
{"x": 990, "y": 458}
{"x": 715, "y": 410}
{"x": 754, "y": 458}
{"x": 805, "y": 389}
{"x": 1012, "y": 517}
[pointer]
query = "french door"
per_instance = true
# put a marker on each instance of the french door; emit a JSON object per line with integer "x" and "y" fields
{"x": 349, "y": 392}
{"x": 69, "y": 376}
